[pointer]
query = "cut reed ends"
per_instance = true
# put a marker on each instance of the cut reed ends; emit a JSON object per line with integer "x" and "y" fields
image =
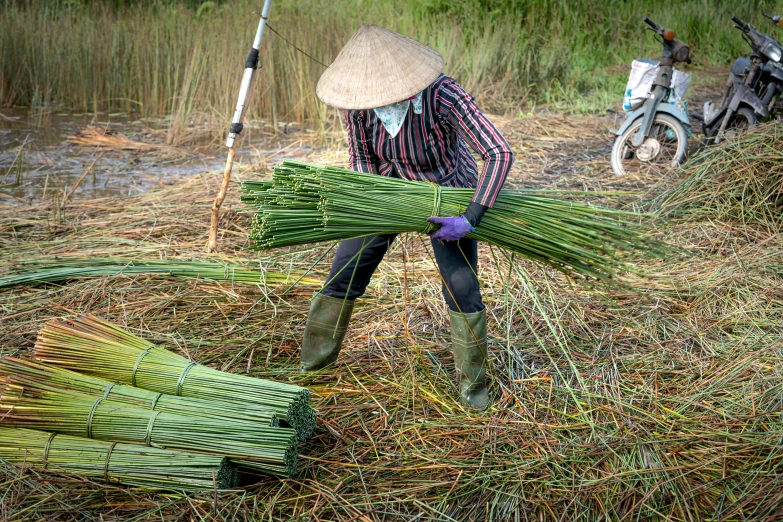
{"x": 126, "y": 464}
{"x": 96, "y": 347}
{"x": 306, "y": 203}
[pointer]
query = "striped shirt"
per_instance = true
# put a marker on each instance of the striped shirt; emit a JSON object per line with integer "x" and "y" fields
{"x": 432, "y": 146}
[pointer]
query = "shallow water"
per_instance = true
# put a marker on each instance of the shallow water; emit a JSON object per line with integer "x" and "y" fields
{"x": 37, "y": 161}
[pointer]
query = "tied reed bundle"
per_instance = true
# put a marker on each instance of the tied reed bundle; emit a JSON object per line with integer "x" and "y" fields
{"x": 33, "y": 376}
{"x": 249, "y": 445}
{"x": 127, "y": 464}
{"x": 307, "y": 204}
{"x": 62, "y": 269}
{"x": 93, "y": 346}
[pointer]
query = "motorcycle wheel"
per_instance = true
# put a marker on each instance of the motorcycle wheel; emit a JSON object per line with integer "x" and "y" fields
{"x": 665, "y": 147}
{"x": 741, "y": 121}
{"x": 744, "y": 119}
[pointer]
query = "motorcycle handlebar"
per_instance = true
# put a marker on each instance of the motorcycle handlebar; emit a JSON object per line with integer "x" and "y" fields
{"x": 775, "y": 18}
{"x": 655, "y": 27}
{"x": 738, "y": 21}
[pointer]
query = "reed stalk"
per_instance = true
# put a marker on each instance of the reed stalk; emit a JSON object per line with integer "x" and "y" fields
{"x": 63, "y": 269}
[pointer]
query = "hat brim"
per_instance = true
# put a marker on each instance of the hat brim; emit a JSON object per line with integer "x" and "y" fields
{"x": 378, "y": 67}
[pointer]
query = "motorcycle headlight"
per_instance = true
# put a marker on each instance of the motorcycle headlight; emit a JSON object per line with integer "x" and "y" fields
{"x": 682, "y": 54}
{"x": 772, "y": 51}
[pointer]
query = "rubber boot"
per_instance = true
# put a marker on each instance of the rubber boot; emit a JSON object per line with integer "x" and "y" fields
{"x": 469, "y": 342}
{"x": 324, "y": 331}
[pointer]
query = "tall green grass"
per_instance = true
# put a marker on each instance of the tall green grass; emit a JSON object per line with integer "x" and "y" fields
{"x": 174, "y": 59}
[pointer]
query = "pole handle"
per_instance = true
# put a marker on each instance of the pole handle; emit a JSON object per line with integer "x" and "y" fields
{"x": 221, "y": 195}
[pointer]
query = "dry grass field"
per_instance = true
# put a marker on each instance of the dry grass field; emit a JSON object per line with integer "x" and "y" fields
{"x": 658, "y": 404}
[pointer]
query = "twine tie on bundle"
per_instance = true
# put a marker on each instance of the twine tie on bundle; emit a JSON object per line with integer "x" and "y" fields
{"x": 155, "y": 401}
{"x": 431, "y": 227}
{"x": 91, "y": 415}
{"x": 46, "y": 449}
{"x": 106, "y": 462}
{"x": 182, "y": 377}
{"x": 138, "y": 362}
{"x": 148, "y": 436}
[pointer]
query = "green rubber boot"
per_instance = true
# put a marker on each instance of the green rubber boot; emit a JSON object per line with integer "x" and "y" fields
{"x": 469, "y": 342}
{"x": 324, "y": 331}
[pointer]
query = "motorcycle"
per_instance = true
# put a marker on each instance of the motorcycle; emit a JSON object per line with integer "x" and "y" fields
{"x": 752, "y": 88}
{"x": 655, "y": 135}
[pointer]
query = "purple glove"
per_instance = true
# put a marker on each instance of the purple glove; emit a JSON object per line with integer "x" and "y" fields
{"x": 451, "y": 228}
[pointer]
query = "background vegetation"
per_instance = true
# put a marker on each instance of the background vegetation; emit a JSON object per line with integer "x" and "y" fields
{"x": 184, "y": 58}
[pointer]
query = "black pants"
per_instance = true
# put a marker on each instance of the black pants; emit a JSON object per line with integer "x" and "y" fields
{"x": 457, "y": 261}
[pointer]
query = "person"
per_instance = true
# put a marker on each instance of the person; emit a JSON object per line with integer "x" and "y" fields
{"x": 404, "y": 118}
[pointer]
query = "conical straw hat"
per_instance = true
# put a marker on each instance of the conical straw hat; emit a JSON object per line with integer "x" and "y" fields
{"x": 378, "y": 67}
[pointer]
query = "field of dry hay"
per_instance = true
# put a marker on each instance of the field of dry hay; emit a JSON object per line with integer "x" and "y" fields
{"x": 660, "y": 405}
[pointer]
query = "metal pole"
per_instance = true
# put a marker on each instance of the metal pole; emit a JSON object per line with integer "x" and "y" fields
{"x": 236, "y": 126}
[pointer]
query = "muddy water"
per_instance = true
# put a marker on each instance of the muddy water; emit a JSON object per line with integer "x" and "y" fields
{"x": 37, "y": 161}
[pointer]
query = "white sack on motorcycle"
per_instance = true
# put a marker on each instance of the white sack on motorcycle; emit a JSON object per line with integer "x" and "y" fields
{"x": 643, "y": 73}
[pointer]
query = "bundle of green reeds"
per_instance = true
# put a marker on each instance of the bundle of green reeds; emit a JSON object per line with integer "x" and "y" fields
{"x": 34, "y": 376}
{"x": 307, "y": 204}
{"x": 93, "y": 346}
{"x": 252, "y": 446}
{"x": 740, "y": 180}
{"x": 60, "y": 269}
{"x": 127, "y": 464}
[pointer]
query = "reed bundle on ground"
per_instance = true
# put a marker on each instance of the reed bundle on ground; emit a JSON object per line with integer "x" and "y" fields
{"x": 126, "y": 464}
{"x": 61, "y": 269}
{"x": 34, "y": 376}
{"x": 740, "y": 179}
{"x": 252, "y": 446}
{"x": 93, "y": 346}
{"x": 306, "y": 203}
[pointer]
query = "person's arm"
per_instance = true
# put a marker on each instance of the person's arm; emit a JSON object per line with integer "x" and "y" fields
{"x": 457, "y": 109}
{"x": 361, "y": 154}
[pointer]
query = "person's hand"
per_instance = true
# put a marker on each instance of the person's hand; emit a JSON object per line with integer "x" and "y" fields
{"x": 451, "y": 228}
